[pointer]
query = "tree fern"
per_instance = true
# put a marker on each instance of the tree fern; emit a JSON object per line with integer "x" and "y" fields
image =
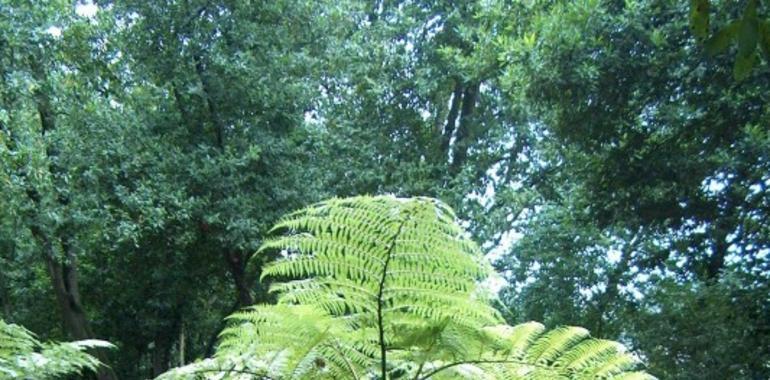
{"x": 387, "y": 288}
{"x": 22, "y": 356}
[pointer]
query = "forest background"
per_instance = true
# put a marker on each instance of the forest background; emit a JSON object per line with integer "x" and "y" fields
{"x": 613, "y": 157}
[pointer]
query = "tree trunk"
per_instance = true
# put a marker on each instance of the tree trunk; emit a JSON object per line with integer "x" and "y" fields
{"x": 236, "y": 261}
{"x": 160, "y": 357}
{"x": 63, "y": 273}
{"x": 720, "y": 235}
{"x": 181, "y": 343}
{"x": 451, "y": 120}
{"x": 64, "y": 281}
{"x": 236, "y": 264}
{"x": 62, "y": 270}
{"x": 211, "y": 106}
{"x": 716, "y": 261}
{"x": 5, "y": 302}
{"x": 465, "y": 133}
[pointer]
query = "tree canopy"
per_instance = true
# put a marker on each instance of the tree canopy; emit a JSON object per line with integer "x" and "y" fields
{"x": 611, "y": 158}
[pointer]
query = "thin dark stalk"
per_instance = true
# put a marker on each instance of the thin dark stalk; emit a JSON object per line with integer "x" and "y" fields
{"x": 501, "y": 361}
{"x": 380, "y": 323}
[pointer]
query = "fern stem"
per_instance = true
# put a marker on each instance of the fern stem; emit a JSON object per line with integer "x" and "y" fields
{"x": 257, "y": 376}
{"x": 422, "y": 364}
{"x": 455, "y": 364}
{"x": 352, "y": 369}
{"x": 380, "y": 292}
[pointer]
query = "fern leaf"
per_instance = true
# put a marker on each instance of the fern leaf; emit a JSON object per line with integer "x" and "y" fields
{"x": 385, "y": 287}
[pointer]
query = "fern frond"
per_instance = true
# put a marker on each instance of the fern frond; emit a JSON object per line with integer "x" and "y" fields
{"x": 296, "y": 341}
{"x": 15, "y": 339}
{"x": 22, "y": 356}
{"x": 554, "y": 343}
{"x": 526, "y": 351}
{"x": 384, "y": 287}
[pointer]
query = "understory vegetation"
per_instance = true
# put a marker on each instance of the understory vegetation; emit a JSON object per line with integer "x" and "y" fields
{"x": 388, "y": 288}
{"x": 387, "y": 189}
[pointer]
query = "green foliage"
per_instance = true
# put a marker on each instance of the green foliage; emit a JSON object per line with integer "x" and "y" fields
{"x": 380, "y": 255}
{"x": 146, "y": 149}
{"x": 385, "y": 287}
{"x": 750, "y": 33}
{"x": 656, "y": 160}
{"x": 22, "y": 356}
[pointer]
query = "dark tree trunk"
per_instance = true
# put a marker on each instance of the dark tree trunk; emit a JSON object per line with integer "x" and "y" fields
{"x": 716, "y": 261}
{"x": 211, "y": 106}
{"x": 5, "y": 302}
{"x": 64, "y": 279}
{"x": 464, "y": 135}
{"x": 62, "y": 269}
{"x": 451, "y": 120}
{"x": 236, "y": 264}
{"x": 236, "y": 260}
{"x": 724, "y": 225}
{"x": 161, "y": 356}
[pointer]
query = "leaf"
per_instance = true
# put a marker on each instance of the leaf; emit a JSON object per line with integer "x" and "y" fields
{"x": 764, "y": 39}
{"x": 721, "y": 39}
{"x": 23, "y": 356}
{"x": 529, "y": 40}
{"x": 743, "y": 65}
{"x": 385, "y": 282}
{"x": 748, "y": 31}
{"x": 699, "y": 18}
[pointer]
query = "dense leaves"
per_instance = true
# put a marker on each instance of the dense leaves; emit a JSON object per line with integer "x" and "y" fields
{"x": 612, "y": 156}
{"x": 659, "y": 158}
{"x": 385, "y": 287}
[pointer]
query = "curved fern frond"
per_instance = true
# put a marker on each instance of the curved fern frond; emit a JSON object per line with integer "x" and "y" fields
{"x": 382, "y": 260}
{"x": 22, "y": 356}
{"x": 299, "y": 342}
{"x": 526, "y": 351}
{"x": 230, "y": 367}
{"x": 384, "y": 288}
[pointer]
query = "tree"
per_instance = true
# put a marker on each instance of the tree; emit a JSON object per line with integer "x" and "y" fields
{"x": 416, "y": 108}
{"x": 170, "y": 146}
{"x": 657, "y": 156}
{"x": 147, "y": 147}
{"x": 385, "y": 287}
{"x": 43, "y": 81}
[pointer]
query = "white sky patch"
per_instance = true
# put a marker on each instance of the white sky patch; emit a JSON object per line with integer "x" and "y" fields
{"x": 86, "y": 9}
{"x": 312, "y": 118}
{"x": 507, "y": 241}
{"x": 613, "y": 256}
{"x": 494, "y": 283}
{"x": 54, "y": 31}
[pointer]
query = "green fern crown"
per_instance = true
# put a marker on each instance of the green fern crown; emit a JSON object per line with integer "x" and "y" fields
{"x": 362, "y": 278}
{"x": 388, "y": 288}
{"x": 357, "y": 257}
